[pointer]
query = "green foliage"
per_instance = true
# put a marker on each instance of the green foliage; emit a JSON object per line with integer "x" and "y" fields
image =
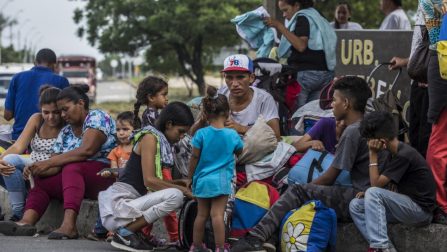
{"x": 366, "y": 13}
{"x": 180, "y": 36}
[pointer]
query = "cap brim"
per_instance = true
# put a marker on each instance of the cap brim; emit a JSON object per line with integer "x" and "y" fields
{"x": 241, "y": 69}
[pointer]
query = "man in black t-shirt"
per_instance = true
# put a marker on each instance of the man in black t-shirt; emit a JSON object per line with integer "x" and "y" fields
{"x": 402, "y": 191}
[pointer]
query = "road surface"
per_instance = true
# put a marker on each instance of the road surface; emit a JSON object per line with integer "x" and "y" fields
{"x": 42, "y": 244}
{"x": 114, "y": 91}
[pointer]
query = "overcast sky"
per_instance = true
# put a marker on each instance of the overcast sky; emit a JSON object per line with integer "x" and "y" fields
{"x": 49, "y": 23}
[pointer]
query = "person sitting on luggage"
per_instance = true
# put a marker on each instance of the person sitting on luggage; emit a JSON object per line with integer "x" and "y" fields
{"x": 247, "y": 103}
{"x": 404, "y": 191}
{"x": 141, "y": 195}
{"x": 323, "y": 136}
{"x": 349, "y": 102}
{"x": 211, "y": 169}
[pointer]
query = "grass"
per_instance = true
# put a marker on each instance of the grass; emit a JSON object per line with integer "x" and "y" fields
{"x": 114, "y": 108}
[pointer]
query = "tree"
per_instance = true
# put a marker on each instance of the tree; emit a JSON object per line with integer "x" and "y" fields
{"x": 366, "y": 13}
{"x": 179, "y": 36}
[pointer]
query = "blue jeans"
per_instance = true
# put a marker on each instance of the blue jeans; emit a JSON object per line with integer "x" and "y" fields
{"x": 380, "y": 206}
{"x": 14, "y": 183}
{"x": 312, "y": 82}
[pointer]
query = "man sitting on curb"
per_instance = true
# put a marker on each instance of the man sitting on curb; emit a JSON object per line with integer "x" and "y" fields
{"x": 350, "y": 96}
{"x": 403, "y": 192}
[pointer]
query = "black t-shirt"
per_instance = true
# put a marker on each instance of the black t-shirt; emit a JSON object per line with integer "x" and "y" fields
{"x": 309, "y": 59}
{"x": 133, "y": 174}
{"x": 410, "y": 172}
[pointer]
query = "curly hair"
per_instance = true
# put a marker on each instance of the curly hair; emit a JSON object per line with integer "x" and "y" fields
{"x": 149, "y": 86}
{"x": 378, "y": 124}
{"x": 177, "y": 113}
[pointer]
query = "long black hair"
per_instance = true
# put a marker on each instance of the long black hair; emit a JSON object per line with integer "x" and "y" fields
{"x": 74, "y": 93}
{"x": 178, "y": 113}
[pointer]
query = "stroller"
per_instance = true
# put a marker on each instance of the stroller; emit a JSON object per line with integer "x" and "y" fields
{"x": 279, "y": 81}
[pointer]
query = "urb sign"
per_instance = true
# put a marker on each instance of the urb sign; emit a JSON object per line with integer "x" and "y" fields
{"x": 358, "y": 52}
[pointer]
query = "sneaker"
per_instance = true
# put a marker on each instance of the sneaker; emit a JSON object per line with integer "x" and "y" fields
{"x": 248, "y": 244}
{"x": 131, "y": 243}
{"x": 14, "y": 218}
{"x": 381, "y": 250}
{"x": 157, "y": 242}
{"x": 269, "y": 247}
{"x": 96, "y": 236}
{"x": 440, "y": 217}
{"x": 199, "y": 249}
{"x": 226, "y": 248}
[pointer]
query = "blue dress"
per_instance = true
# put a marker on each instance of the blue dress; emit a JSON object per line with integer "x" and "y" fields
{"x": 215, "y": 169}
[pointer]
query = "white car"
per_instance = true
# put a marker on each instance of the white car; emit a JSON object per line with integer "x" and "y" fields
{"x": 7, "y": 71}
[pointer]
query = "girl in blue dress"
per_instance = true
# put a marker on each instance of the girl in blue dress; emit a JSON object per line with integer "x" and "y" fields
{"x": 211, "y": 169}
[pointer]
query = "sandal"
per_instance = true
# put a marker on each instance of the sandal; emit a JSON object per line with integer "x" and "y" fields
{"x": 61, "y": 236}
{"x": 10, "y": 228}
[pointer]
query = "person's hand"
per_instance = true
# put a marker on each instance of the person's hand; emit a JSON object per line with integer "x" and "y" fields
{"x": 271, "y": 22}
{"x": 6, "y": 169}
{"x": 26, "y": 173}
{"x": 317, "y": 145}
{"x": 39, "y": 167}
{"x": 187, "y": 192}
{"x": 397, "y": 62}
{"x": 360, "y": 195}
{"x": 104, "y": 174}
{"x": 376, "y": 145}
{"x": 230, "y": 123}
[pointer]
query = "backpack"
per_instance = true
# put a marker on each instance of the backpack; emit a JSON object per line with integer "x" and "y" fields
{"x": 388, "y": 102}
{"x": 312, "y": 165}
{"x": 251, "y": 203}
{"x": 312, "y": 227}
{"x": 186, "y": 220}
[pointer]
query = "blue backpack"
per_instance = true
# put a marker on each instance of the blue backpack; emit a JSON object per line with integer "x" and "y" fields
{"x": 312, "y": 227}
{"x": 312, "y": 165}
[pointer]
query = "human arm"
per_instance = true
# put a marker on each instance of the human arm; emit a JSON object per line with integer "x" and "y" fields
{"x": 274, "y": 124}
{"x": 397, "y": 62}
{"x": 306, "y": 142}
{"x": 92, "y": 140}
{"x": 328, "y": 177}
{"x": 193, "y": 161}
{"x": 298, "y": 42}
{"x": 8, "y": 115}
{"x": 146, "y": 148}
{"x": 25, "y": 137}
{"x": 198, "y": 124}
{"x": 376, "y": 180}
{"x": 20, "y": 145}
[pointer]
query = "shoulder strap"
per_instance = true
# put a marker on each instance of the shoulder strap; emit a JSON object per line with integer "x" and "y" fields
{"x": 316, "y": 164}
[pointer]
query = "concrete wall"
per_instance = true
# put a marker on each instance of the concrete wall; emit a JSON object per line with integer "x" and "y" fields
{"x": 86, "y": 220}
{"x": 432, "y": 238}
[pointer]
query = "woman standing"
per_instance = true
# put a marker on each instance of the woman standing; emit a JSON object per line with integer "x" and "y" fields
{"x": 309, "y": 43}
{"x": 81, "y": 150}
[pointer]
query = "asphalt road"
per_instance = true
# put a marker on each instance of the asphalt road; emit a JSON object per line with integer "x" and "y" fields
{"x": 42, "y": 244}
{"x": 114, "y": 91}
